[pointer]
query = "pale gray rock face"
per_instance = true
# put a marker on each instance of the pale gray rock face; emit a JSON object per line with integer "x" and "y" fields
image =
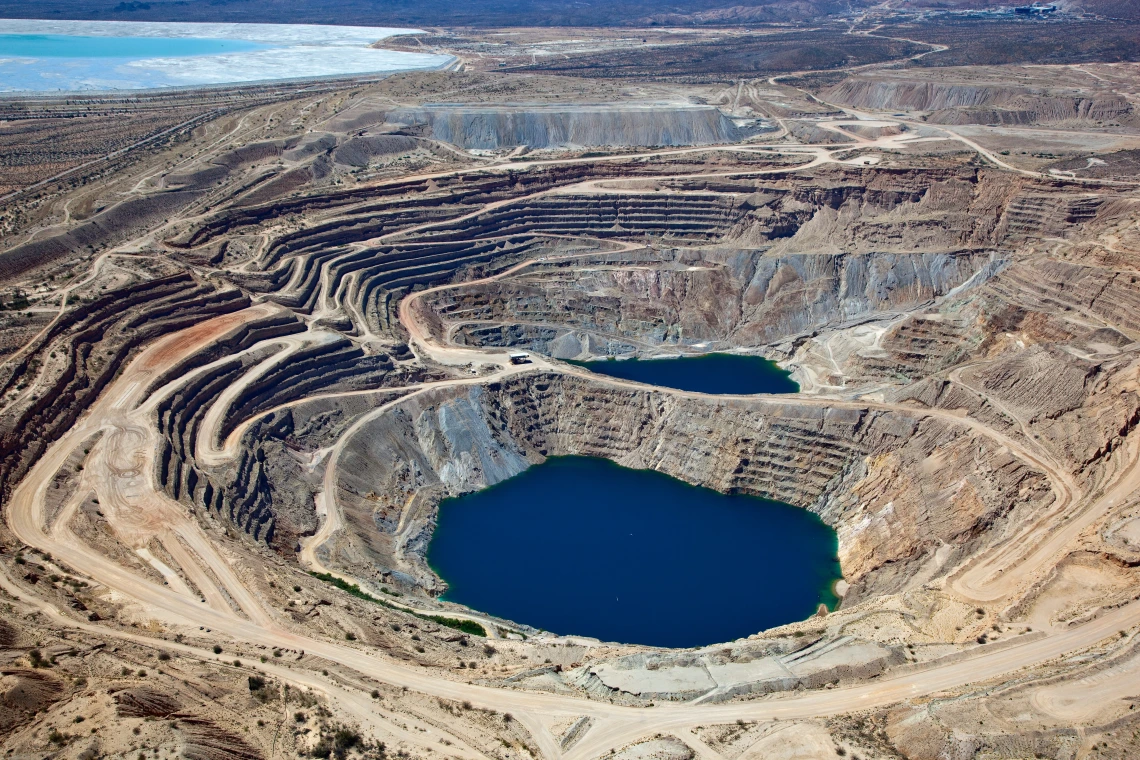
{"x": 838, "y": 288}
{"x": 577, "y": 126}
{"x": 462, "y": 448}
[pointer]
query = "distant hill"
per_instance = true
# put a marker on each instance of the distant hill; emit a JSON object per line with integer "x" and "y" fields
{"x": 436, "y": 12}
{"x": 422, "y": 13}
{"x": 1120, "y": 9}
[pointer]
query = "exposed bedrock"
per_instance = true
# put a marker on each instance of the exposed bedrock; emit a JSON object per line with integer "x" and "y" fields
{"x": 1081, "y": 408}
{"x": 731, "y": 297}
{"x": 857, "y": 468}
{"x": 576, "y": 126}
{"x": 331, "y": 365}
{"x": 914, "y": 348}
{"x": 978, "y": 101}
{"x": 180, "y": 416}
{"x": 247, "y": 336}
{"x": 556, "y": 341}
{"x": 1034, "y": 360}
{"x": 1108, "y": 295}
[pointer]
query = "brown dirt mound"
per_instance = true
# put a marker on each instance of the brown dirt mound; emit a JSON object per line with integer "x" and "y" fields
{"x": 143, "y": 702}
{"x": 8, "y": 635}
{"x": 205, "y": 740}
{"x": 106, "y": 228}
{"x": 28, "y": 691}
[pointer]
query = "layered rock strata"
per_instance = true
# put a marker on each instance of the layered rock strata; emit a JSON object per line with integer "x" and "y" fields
{"x": 846, "y": 464}
{"x": 65, "y": 368}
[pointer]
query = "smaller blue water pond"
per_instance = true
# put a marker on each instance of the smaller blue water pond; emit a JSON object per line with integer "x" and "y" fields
{"x": 711, "y": 373}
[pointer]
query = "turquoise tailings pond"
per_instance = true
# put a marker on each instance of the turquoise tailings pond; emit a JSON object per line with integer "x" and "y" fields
{"x": 64, "y": 46}
{"x": 579, "y": 545}
{"x": 39, "y": 55}
{"x": 711, "y": 373}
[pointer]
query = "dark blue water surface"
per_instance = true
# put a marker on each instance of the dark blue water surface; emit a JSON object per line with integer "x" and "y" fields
{"x": 69, "y": 46}
{"x": 711, "y": 373}
{"x": 579, "y": 545}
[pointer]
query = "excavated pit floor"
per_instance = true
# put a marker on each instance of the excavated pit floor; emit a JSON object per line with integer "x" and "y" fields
{"x": 582, "y": 546}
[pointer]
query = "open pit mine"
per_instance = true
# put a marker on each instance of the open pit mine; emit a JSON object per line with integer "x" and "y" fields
{"x": 258, "y": 342}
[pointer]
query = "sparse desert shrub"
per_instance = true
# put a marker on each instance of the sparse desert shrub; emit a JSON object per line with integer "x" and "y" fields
{"x": 337, "y": 741}
{"x": 345, "y": 739}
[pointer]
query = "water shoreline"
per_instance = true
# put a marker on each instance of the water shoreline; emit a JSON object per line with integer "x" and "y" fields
{"x": 583, "y": 546}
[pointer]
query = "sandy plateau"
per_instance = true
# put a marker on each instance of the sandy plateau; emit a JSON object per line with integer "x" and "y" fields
{"x": 252, "y": 337}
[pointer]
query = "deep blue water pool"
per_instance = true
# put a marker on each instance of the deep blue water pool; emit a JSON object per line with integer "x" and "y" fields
{"x": 68, "y": 46}
{"x": 579, "y": 545}
{"x": 711, "y": 373}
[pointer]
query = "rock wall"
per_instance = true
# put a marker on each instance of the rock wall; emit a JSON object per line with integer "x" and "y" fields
{"x": 738, "y": 297}
{"x": 977, "y": 102}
